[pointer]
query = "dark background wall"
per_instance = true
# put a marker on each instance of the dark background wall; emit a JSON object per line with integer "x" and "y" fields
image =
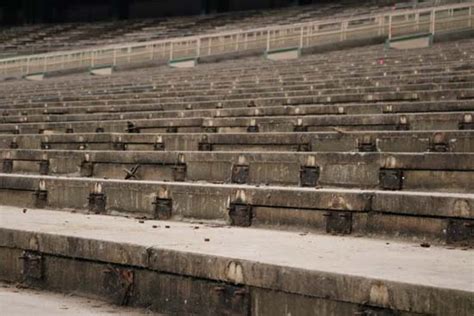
{"x": 18, "y": 12}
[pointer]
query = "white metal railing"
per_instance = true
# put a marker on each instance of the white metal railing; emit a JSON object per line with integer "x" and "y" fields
{"x": 438, "y": 19}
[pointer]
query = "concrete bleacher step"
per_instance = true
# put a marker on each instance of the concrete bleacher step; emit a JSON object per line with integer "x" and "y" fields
{"x": 350, "y": 141}
{"x": 184, "y": 268}
{"x": 427, "y": 216}
{"x": 148, "y": 111}
{"x": 446, "y": 172}
{"x": 310, "y": 123}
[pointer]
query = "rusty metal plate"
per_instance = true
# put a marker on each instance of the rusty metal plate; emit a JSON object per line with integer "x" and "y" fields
{"x": 338, "y": 223}
{"x": 119, "y": 283}
{"x": 97, "y": 202}
{"x": 240, "y": 174}
{"x": 179, "y": 172}
{"x": 163, "y": 208}
{"x": 87, "y": 169}
{"x": 33, "y": 267}
{"x": 309, "y": 176}
{"x": 391, "y": 179}
{"x": 240, "y": 214}
{"x": 7, "y": 166}
{"x": 460, "y": 231}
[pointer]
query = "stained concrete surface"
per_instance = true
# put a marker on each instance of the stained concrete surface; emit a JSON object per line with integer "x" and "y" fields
{"x": 22, "y": 302}
{"x": 408, "y": 263}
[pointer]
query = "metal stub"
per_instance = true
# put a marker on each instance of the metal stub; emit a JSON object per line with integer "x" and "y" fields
{"x": 16, "y": 131}
{"x": 14, "y": 144}
{"x": 99, "y": 130}
{"x": 119, "y": 146}
{"x": 41, "y": 131}
{"x": 163, "y": 208}
{"x": 304, "y": 148}
{"x": 391, "y": 179}
{"x": 210, "y": 129}
{"x": 132, "y": 128}
{"x": 41, "y": 196}
{"x": 69, "y": 130}
{"x": 253, "y": 127}
{"x": 82, "y": 146}
{"x": 119, "y": 284}
{"x": 240, "y": 174}
{"x": 403, "y": 124}
{"x": 32, "y": 265}
{"x": 309, "y": 176}
{"x": 251, "y": 104}
{"x": 366, "y": 144}
{"x": 44, "y": 167}
{"x": 240, "y": 214}
{"x": 460, "y": 231}
{"x": 159, "y": 146}
{"x": 339, "y": 222}
{"x": 231, "y": 300}
{"x": 365, "y": 310}
{"x": 97, "y": 200}
{"x": 439, "y": 143}
{"x": 45, "y": 145}
{"x": 179, "y": 172}
{"x": 132, "y": 173}
{"x": 205, "y": 146}
{"x": 300, "y": 128}
{"x": 87, "y": 169}
{"x": 7, "y": 166}
{"x": 171, "y": 129}
{"x": 467, "y": 122}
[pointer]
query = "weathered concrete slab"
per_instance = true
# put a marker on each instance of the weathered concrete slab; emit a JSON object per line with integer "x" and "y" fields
{"x": 412, "y": 41}
{"x": 35, "y": 77}
{"x": 183, "y": 63}
{"x": 147, "y": 111}
{"x": 421, "y": 215}
{"x": 398, "y": 276}
{"x": 395, "y": 121}
{"x": 350, "y": 141}
{"x": 447, "y": 172}
{"x": 283, "y": 54}
{"x": 102, "y": 71}
{"x": 20, "y": 301}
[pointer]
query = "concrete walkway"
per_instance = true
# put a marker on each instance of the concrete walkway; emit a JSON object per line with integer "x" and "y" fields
{"x": 359, "y": 265}
{"x": 22, "y": 302}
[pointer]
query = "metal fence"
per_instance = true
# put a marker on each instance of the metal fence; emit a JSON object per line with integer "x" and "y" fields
{"x": 441, "y": 19}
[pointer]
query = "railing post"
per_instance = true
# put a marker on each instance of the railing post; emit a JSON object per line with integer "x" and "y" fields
{"x": 171, "y": 51}
{"x": 114, "y": 61}
{"x": 152, "y": 51}
{"x": 417, "y": 21}
{"x": 45, "y": 67}
{"x": 390, "y": 26}
{"x": 92, "y": 59}
{"x": 209, "y": 51}
{"x": 28, "y": 65}
{"x": 268, "y": 40}
{"x": 433, "y": 21}
{"x": 198, "y": 47}
{"x": 343, "y": 30}
{"x": 470, "y": 16}
{"x": 380, "y": 24}
{"x": 302, "y": 37}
